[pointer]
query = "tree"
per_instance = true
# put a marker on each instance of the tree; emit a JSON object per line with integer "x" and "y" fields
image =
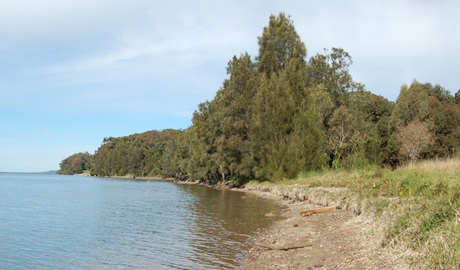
{"x": 266, "y": 122}
{"x": 439, "y": 92}
{"x": 204, "y": 131}
{"x": 181, "y": 160}
{"x": 377, "y": 107}
{"x": 287, "y": 134}
{"x": 279, "y": 44}
{"x": 279, "y": 115}
{"x": 457, "y": 97}
{"x": 412, "y": 104}
{"x": 444, "y": 123}
{"x": 234, "y": 105}
{"x": 322, "y": 100}
{"x": 332, "y": 71}
{"x": 137, "y": 155}
{"x": 75, "y": 164}
{"x": 340, "y": 134}
{"x": 415, "y": 138}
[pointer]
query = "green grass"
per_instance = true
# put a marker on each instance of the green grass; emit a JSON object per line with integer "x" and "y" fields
{"x": 417, "y": 207}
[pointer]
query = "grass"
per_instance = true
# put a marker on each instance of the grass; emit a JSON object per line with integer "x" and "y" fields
{"x": 416, "y": 207}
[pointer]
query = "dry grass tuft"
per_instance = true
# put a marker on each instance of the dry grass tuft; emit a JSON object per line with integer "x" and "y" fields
{"x": 415, "y": 209}
{"x": 445, "y": 165}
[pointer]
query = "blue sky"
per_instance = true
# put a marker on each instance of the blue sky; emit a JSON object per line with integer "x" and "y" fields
{"x": 73, "y": 72}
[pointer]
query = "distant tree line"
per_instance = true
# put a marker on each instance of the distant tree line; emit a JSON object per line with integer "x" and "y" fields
{"x": 146, "y": 154}
{"x": 280, "y": 114}
{"x": 75, "y": 164}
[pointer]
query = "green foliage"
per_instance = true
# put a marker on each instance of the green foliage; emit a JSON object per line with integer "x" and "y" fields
{"x": 380, "y": 205}
{"x": 395, "y": 231}
{"x": 411, "y": 104}
{"x": 205, "y": 130}
{"x": 331, "y": 71}
{"x": 443, "y": 211}
{"x": 287, "y": 133}
{"x": 280, "y": 114}
{"x": 457, "y": 97}
{"x": 278, "y": 45}
{"x": 340, "y": 134}
{"x": 75, "y": 164}
{"x": 321, "y": 100}
{"x": 444, "y": 123}
{"x": 439, "y": 92}
{"x": 235, "y": 104}
{"x": 137, "y": 155}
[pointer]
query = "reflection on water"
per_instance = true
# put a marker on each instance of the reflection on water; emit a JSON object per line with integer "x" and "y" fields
{"x": 59, "y": 222}
{"x": 223, "y": 223}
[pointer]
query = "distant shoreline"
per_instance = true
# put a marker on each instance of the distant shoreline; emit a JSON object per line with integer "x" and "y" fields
{"x": 45, "y": 172}
{"x": 129, "y": 177}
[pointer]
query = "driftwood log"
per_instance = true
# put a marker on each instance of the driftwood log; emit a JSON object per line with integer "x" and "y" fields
{"x": 282, "y": 248}
{"x": 316, "y": 211}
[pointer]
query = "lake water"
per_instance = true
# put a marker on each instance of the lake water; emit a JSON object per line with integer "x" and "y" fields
{"x": 73, "y": 222}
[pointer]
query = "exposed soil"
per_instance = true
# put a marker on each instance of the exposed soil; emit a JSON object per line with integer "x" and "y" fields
{"x": 333, "y": 240}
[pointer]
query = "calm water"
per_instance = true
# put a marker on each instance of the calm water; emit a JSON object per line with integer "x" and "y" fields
{"x": 71, "y": 222}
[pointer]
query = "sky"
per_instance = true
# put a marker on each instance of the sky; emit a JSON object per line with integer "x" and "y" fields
{"x": 73, "y": 72}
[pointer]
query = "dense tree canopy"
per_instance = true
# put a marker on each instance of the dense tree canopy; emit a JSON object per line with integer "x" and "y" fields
{"x": 142, "y": 154}
{"x": 75, "y": 164}
{"x": 280, "y": 113}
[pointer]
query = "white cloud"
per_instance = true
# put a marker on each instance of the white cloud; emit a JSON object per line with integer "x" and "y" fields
{"x": 97, "y": 41}
{"x": 55, "y": 19}
{"x": 113, "y": 66}
{"x": 391, "y": 42}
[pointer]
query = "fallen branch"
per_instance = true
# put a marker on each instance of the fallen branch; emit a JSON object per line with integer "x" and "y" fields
{"x": 283, "y": 248}
{"x": 317, "y": 211}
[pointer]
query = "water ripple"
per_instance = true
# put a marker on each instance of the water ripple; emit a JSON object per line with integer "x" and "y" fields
{"x": 56, "y": 222}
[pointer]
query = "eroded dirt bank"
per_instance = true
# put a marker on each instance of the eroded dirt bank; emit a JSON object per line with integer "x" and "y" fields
{"x": 339, "y": 239}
